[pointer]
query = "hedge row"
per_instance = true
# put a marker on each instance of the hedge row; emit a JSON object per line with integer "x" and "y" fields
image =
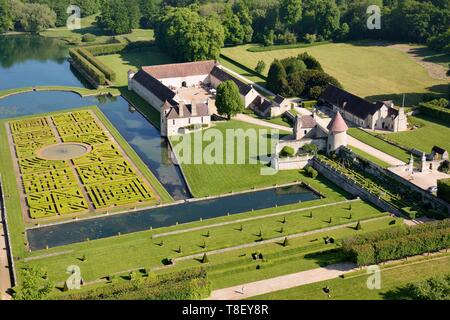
{"x": 444, "y": 189}
{"x": 90, "y": 69}
{"x": 436, "y": 112}
{"x": 109, "y": 73}
{"x": 397, "y": 243}
{"x": 113, "y": 48}
{"x": 186, "y": 285}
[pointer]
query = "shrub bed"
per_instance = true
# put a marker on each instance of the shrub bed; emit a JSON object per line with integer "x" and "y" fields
{"x": 397, "y": 243}
{"x": 186, "y": 285}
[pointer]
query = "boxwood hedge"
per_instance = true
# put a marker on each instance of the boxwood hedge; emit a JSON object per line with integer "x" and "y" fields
{"x": 88, "y": 67}
{"x": 397, "y": 243}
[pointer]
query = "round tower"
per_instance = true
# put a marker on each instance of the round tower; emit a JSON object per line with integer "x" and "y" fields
{"x": 337, "y": 133}
{"x": 131, "y": 74}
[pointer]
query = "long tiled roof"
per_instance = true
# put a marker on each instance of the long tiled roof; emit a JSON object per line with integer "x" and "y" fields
{"x": 180, "y": 70}
{"x": 349, "y": 102}
{"x": 174, "y": 113}
{"x": 218, "y": 73}
{"x": 155, "y": 86}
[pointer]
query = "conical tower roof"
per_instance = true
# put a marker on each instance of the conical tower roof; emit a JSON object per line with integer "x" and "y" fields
{"x": 337, "y": 124}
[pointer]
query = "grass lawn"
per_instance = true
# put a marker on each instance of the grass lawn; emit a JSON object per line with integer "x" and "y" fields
{"x": 379, "y": 144}
{"x": 431, "y": 133}
{"x": 369, "y": 157}
{"x": 374, "y": 72}
{"x": 123, "y": 62}
{"x": 139, "y": 250}
{"x": 303, "y": 253}
{"x": 214, "y": 179}
{"x": 393, "y": 282}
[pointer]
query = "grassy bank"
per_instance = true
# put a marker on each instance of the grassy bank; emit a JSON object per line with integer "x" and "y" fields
{"x": 371, "y": 71}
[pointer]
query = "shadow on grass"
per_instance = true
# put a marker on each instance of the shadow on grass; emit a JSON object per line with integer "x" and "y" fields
{"x": 399, "y": 293}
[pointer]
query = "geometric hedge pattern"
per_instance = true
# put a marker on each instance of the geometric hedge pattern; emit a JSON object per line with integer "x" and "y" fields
{"x": 51, "y": 187}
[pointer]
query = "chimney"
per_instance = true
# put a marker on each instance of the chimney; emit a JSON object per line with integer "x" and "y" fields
{"x": 193, "y": 108}
{"x": 181, "y": 109}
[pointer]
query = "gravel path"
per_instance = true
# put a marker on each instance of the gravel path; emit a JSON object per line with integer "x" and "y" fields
{"x": 281, "y": 283}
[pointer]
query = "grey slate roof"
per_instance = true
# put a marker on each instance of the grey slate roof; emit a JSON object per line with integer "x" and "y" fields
{"x": 155, "y": 86}
{"x": 347, "y": 101}
{"x": 218, "y": 73}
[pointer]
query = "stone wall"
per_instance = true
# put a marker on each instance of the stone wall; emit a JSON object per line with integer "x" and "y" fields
{"x": 351, "y": 186}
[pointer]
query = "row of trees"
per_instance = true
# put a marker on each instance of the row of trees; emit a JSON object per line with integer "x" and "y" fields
{"x": 397, "y": 243}
{"x": 299, "y": 76}
{"x": 243, "y": 21}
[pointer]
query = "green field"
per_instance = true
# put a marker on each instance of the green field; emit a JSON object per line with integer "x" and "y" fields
{"x": 214, "y": 179}
{"x": 431, "y": 133}
{"x": 121, "y": 63}
{"x": 394, "y": 280}
{"x": 379, "y": 144}
{"x": 373, "y": 72}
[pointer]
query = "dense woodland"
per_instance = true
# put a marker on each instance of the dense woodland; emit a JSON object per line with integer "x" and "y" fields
{"x": 242, "y": 21}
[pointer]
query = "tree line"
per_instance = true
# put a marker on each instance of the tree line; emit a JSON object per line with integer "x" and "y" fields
{"x": 216, "y": 23}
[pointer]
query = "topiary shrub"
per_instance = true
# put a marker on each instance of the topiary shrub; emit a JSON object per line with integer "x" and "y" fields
{"x": 311, "y": 172}
{"x": 287, "y": 152}
{"x": 444, "y": 189}
{"x": 88, "y": 37}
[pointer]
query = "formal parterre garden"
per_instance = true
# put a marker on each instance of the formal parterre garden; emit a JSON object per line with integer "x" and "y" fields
{"x": 100, "y": 179}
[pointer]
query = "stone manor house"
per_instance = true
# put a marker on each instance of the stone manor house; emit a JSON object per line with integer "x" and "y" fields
{"x": 184, "y": 93}
{"x": 375, "y": 116}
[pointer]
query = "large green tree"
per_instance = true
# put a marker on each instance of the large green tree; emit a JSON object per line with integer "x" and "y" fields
{"x": 228, "y": 99}
{"x": 120, "y": 16}
{"x": 277, "y": 78}
{"x": 187, "y": 36}
{"x": 321, "y": 17}
{"x": 5, "y": 16}
{"x": 37, "y": 17}
{"x": 290, "y": 11}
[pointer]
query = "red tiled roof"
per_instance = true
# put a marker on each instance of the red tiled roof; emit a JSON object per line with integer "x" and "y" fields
{"x": 337, "y": 124}
{"x": 180, "y": 69}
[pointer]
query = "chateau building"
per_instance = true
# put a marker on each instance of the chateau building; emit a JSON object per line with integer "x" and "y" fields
{"x": 375, "y": 116}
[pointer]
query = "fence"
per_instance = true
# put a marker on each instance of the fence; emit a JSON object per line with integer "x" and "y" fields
{"x": 4, "y": 215}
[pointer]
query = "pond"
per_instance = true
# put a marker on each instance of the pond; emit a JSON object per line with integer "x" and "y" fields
{"x": 108, "y": 226}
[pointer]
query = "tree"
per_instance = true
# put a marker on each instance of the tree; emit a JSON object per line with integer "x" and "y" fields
{"x": 435, "y": 288}
{"x": 150, "y": 10}
{"x": 119, "y": 16}
{"x": 228, "y": 99}
{"x": 287, "y": 152}
{"x": 260, "y": 66}
{"x": 88, "y": 7}
{"x": 204, "y": 259}
{"x": 321, "y": 17}
{"x": 290, "y": 11}
{"x": 188, "y": 36}
{"x": 34, "y": 285}
{"x": 5, "y": 16}
{"x": 37, "y": 17}
{"x": 358, "y": 226}
{"x": 277, "y": 78}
